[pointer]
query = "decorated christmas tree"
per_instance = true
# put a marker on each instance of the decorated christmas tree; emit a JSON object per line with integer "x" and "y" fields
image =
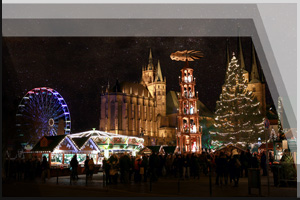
{"x": 237, "y": 112}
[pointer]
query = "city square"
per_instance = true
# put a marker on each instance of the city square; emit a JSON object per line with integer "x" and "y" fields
{"x": 145, "y": 116}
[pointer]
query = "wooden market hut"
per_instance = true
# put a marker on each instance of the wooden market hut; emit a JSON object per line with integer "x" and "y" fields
{"x": 230, "y": 147}
{"x": 61, "y": 148}
{"x": 52, "y": 146}
{"x": 150, "y": 149}
{"x": 158, "y": 149}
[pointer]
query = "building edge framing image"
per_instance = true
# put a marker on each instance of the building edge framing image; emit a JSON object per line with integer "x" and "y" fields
{"x": 23, "y": 23}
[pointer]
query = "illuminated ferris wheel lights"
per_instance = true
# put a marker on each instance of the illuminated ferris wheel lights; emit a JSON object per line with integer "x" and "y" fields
{"x": 40, "y": 112}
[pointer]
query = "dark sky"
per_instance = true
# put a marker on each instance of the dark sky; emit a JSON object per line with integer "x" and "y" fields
{"x": 79, "y": 67}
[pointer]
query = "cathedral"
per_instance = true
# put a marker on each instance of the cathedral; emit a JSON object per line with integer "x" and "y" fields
{"x": 139, "y": 109}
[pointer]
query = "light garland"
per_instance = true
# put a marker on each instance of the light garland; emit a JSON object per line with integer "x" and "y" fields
{"x": 236, "y": 97}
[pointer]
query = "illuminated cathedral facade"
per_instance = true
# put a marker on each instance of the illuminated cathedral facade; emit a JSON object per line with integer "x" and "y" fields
{"x": 139, "y": 109}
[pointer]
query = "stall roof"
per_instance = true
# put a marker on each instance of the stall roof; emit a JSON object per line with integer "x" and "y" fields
{"x": 94, "y": 133}
{"x": 48, "y": 143}
{"x": 169, "y": 149}
{"x": 230, "y": 146}
{"x": 80, "y": 141}
{"x": 263, "y": 146}
{"x": 154, "y": 148}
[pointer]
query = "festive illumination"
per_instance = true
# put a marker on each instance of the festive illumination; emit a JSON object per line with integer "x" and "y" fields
{"x": 42, "y": 112}
{"x": 188, "y": 135}
{"x": 237, "y": 112}
{"x": 105, "y": 140}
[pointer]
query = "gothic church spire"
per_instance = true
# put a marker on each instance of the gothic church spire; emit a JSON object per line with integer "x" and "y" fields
{"x": 150, "y": 63}
{"x": 254, "y": 71}
{"x": 241, "y": 56}
{"x": 159, "y": 76}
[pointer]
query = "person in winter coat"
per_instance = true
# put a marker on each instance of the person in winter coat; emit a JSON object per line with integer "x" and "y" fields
{"x": 263, "y": 163}
{"x": 248, "y": 160}
{"x": 74, "y": 165}
{"x": 180, "y": 166}
{"x": 131, "y": 171}
{"x": 221, "y": 167}
{"x": 86, "y": 165}
{"x": 145, "y": 165}
{"x": 153, "y": 166}
{"x": 244, "y": 163}
{"x": 235, "y": 167}
{"x": 203, "y": 163}
{"x": 197, "y": 166}
{"x": 254, "y": 161}
{"x": 44, "y": 166}
{"x": 125, "y": 168}
{"x": 186, "y": 166}
{"x": 106, "y": 168}
{"x": 91, "y": 167}
{"x": 137, "y": 165}
{"x": 169, "y": 165}
{"x": 175, "y": 166}
{"x": 114, "y": 165}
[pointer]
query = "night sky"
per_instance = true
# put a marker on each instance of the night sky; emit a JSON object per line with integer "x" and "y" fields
{"x": 79, "y": 68}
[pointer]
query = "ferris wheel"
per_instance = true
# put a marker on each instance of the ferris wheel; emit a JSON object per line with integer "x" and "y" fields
{"x": 42, "y": 112}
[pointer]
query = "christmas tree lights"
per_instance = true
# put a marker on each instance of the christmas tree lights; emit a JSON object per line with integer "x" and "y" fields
{"x": 237, "y": 112}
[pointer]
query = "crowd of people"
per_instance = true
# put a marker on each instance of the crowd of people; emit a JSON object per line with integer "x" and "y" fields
{"x": 21, "y": 169}
{"x": 227, "y": 167}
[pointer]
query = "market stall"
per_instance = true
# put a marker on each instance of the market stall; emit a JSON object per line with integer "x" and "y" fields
{"x": 59, "y": 150}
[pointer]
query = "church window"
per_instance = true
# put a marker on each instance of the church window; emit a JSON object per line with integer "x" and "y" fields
{"x": 145, "y": 112}
{"x": 112, "y": 116}
{"x": 158, "y": 86}
{"x": 126, "y": 109}
{"x": 132, "y": 110}
{"x": 106, "y": 109}
{"x": 254, "y": 89}
{"x": 139, "y": 111}
{"x": 158, "y": 93}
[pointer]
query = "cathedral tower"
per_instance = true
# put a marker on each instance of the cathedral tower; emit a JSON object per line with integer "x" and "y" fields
{"x": 152, "y": 79}
{"x": 256, "y": 86}
{"x": 189, "y": 134}
{"x": 241, "y": 59}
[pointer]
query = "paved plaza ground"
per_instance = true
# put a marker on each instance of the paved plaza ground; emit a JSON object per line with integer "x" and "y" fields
{"x": 164, "y": 187}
